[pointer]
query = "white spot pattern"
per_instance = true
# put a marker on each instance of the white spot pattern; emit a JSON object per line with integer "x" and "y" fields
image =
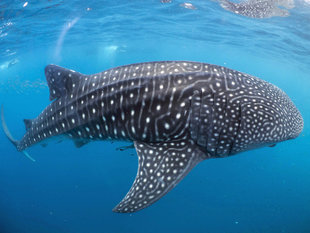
{"x": 221, "y": 110}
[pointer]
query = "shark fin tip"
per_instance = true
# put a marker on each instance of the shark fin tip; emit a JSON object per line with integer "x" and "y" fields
{"x": 28, "y": 156}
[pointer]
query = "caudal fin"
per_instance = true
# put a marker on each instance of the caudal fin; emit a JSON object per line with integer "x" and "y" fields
{"x": 9, "y": 135}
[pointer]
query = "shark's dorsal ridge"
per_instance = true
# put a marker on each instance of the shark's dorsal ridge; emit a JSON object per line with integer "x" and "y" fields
{"x": 61, "y": 81}
{"x": 161, "y": 167}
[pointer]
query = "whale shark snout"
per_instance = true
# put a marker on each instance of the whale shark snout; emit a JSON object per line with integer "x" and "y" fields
{"x": 297, "y": 124}
{"x": 287, "y": 118}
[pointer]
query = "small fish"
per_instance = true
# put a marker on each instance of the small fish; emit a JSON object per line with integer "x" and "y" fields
{"x": 188, "y": 6}
{"x": 123, "y": 148}
{"x": 166, "y": 1}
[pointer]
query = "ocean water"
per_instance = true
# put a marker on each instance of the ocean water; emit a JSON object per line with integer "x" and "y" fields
{"x": 70, "y": 190}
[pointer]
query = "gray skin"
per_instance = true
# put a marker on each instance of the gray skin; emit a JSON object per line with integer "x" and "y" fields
{"x": 259, "y": 8}
{"x": 177, "y": 113}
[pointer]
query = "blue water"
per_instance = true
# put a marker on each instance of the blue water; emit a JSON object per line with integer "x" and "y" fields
{"x": 70, "y": 190}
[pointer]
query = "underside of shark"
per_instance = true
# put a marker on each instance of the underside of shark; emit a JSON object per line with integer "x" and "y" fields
{"x": 176, "y": 113}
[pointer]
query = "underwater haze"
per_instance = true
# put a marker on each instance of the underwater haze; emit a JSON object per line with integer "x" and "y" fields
{"x": 73, "y": 190}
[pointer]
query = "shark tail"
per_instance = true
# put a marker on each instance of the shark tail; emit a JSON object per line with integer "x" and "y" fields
{"x": 10, "y": 137}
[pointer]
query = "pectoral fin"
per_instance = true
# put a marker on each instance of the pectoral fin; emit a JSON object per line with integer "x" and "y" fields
{"x": 161, "y": 167}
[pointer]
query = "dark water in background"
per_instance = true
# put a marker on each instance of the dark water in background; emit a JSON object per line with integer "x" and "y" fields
{"x": 74, "y": 190}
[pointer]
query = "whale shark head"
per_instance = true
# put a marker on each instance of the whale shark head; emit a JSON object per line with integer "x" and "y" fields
{"x": 267, "y": 118}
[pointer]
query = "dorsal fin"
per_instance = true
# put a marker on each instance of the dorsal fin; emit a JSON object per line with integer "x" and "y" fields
{"x": 28, "y": 123}
{"x": 60, "y": 80}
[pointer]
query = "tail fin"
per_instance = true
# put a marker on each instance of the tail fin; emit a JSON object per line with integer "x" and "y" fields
{"x": 10, "y": 137}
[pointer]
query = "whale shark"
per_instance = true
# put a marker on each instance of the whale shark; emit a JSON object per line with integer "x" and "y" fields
{"x": 259, "y": 8}
{"x": 176, "y": 113}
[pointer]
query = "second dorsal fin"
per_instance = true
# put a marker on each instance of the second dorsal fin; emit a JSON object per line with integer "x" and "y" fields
{"x": 28, "y": 123}
{"x": 61, "y": 81}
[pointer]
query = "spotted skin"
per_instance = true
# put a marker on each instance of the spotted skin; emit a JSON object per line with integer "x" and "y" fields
{"x": 161, "y": 166}
{"x": 177, "y": 113}
{"x": 259, "y": 8}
